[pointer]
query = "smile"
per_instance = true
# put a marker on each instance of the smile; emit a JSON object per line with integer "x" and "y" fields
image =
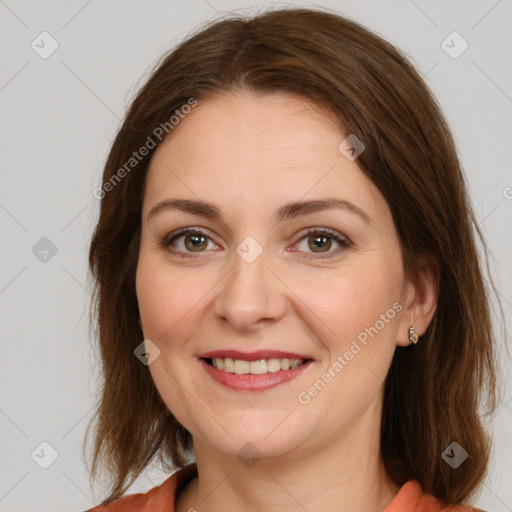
{"x": 258, "y": 367}
{"x": 255, "y": 371}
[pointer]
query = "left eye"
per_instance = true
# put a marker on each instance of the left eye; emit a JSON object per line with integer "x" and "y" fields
{"x": 315, "y": 242}
{"x": 321, "y": 241}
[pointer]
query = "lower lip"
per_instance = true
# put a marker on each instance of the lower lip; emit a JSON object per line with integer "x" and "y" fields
{"x": 249, "y": 382}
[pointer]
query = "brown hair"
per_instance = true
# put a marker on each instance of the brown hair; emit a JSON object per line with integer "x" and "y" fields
{"x": 433, "y": 389}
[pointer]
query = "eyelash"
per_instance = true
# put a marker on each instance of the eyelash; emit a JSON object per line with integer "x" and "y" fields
{"x": 342, "y": 241}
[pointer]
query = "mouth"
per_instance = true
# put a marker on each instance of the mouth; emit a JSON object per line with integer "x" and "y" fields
{"x": 257, "y": 367}
{"x": 254, "y": 371}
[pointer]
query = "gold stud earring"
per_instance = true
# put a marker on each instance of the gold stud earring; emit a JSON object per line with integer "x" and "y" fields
{"x": 413, "y": 335}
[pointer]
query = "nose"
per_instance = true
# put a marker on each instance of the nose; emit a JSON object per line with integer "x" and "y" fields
{"x": 251, "y": 296}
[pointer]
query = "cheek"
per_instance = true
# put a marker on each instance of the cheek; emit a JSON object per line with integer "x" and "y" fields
{"x": 170, "y": 301}
{"x": 361, "y": 309}
{"x": 352, "y": 299}
{"x": 160, "y": 297}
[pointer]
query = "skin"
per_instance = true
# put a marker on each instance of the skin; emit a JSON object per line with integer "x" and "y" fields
{"x": 250, "y": 155}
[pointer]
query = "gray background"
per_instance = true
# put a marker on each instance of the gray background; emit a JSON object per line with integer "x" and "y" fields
{"x": 58, "y": 117}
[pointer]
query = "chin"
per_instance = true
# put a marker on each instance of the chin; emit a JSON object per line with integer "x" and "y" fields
{"x": 249, "y": 436}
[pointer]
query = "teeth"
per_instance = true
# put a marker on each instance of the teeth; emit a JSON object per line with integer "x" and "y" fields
{"x": 240, "y": 367}
{"x": 273, "y": 365}
{"x": 228, "y": 364}
{"x": 259, "y": 367}
{"x": 219, "y": 363}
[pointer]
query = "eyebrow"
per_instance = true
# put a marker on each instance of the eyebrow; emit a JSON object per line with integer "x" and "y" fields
{"x": 285, "y": 212}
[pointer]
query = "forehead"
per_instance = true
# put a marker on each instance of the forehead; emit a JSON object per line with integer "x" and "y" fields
{"x": 252, "y": 147}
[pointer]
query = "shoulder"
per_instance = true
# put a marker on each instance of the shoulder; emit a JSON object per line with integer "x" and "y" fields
{"x": 159, "y": 499}
{"x": 411, "y": 497}
{"x": 132, "y": 503}
{"x": 137, "y": 502}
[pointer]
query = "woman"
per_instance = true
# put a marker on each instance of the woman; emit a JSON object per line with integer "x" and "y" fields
{"x": 288, "y": 288}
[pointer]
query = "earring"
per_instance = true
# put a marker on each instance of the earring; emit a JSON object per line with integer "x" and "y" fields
{"x": 413, "y": 335}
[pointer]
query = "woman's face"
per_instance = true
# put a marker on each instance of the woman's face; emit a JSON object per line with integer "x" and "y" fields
{"x": 268, "y": 274}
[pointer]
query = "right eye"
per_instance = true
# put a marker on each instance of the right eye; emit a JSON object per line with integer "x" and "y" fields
{"x": 187, "y": 241}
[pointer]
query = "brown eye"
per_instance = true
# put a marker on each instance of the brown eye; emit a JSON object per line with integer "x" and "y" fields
{"x": 319, "y": 243}
{"x": 187, "y": 241}
{"x": 195, "y": 243}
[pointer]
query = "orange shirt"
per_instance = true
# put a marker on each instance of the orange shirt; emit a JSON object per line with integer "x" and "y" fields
{"x": 410, "y": 498}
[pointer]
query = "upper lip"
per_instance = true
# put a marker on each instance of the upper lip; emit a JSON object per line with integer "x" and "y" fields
{"x": 252, "y": 356}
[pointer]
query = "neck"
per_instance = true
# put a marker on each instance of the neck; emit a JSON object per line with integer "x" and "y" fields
{"x": 346, "y": 474}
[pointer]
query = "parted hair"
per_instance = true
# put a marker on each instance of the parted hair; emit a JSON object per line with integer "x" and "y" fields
{"x": 436, "y": 392}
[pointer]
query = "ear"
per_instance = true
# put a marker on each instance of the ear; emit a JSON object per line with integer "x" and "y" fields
{"x": 419, "y": 302}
